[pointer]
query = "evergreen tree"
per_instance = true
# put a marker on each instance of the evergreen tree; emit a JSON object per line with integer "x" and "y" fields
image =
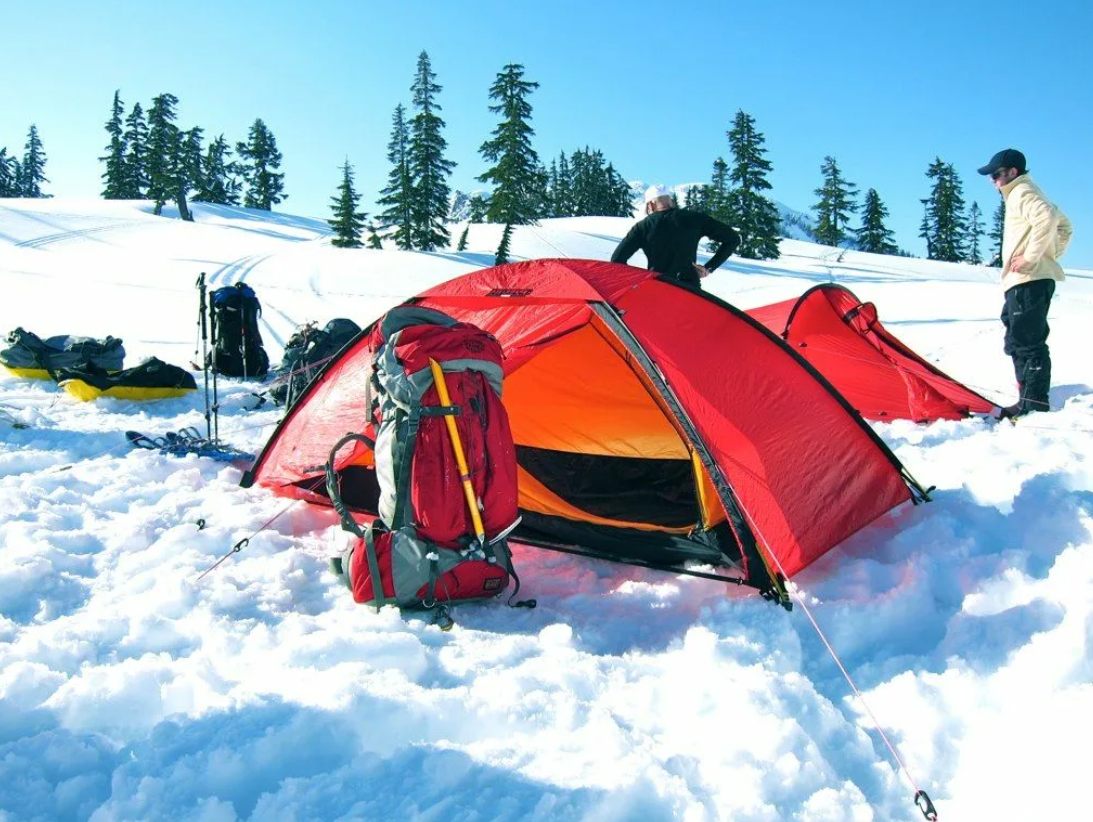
{"x": 32, "y": 170}
{"x": 519, "y": 183}
{"x": 374, "y": 239}
{"x": 260, "y": 161}
{"x": 621, "y": 197}
{"x": 717, "y": 192}
{"x": 477, "y": 209}
{"x": 697, "y": 198}
{"x": 502, "y": 255}
{"x": 114, "y": 176}
{"x": 136, "y": 155}
{"x": 589, "y": 186}
{"x": 397, "y": 198}
{"x": 975, "y": 233}
{"x": 924, "y": 229}
{"x": 17, "y": 178}
{"x": 463, "y": 240}
{"x": 219, "y": 175}
{"x": 874, "y": 236}
{"x": 835, "y": 205}
{"x": 348, "y": 222}
{"x": 191, "y": 169}
{"x": 944, "y": 221}
{"x": 561, "y": 189}
{"x": 997, "y": 230}
{"x": 8, "y": 187}
{"x": 164, "y": 152}
{"x": 755, "y": 216}
{"x": 428, "y": 167}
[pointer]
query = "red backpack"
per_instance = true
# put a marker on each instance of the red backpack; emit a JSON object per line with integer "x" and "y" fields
{"x": 430, "y": 375}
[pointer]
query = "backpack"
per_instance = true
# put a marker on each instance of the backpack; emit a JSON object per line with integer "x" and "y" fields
{"x": 426, "y": 548}
{"x": 307, "y": 352}
{"x": 237, "y": 342}
{"x": 28, "y": 355}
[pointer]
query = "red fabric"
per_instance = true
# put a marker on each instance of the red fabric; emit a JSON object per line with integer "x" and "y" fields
{"x": 806, "y": 472}
{"x": 440, "y": 508}
{"x": 471, "y": 579}
{"x": 879, "y": 375}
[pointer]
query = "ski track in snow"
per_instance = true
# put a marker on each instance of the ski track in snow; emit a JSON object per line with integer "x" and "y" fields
{"x": 130, "y": 691}
{"x": 82, "y": 233}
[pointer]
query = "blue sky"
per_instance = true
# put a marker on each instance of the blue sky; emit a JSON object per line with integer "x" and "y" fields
{"x": 883, "y": 87}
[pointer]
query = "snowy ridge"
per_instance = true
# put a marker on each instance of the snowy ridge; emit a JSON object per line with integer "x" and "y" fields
{"x": 129, "y": 691}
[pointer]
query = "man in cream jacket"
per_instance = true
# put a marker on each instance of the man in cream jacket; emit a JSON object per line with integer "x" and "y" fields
{"x": 1034, "y": 237}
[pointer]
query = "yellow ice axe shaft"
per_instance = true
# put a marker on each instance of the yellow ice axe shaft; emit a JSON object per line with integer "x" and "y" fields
{"x": 460, "y": 458}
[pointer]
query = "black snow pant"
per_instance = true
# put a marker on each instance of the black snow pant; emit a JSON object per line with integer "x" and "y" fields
{"x": 1025, "y": 318}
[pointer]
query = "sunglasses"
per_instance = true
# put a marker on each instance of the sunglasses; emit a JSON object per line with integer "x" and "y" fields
{"x": 999, "y": 174}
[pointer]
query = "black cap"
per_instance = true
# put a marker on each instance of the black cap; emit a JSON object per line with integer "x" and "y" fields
{"x": 1007, "y": 158}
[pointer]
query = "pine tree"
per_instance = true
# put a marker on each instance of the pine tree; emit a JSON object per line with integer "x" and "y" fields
{"x": 622, "y": 201}
{"x": 136, "y": 155}
{"x": 219, "y": 175}
{"x": 589, "y": 186}
{"x": 477, "y": 208}
{"x": 164, "y": 152}
{"x": 114, "y": 176}
{"x": 944, "y": 221}
{"x": 260, "y": 160}
{"x": 7, "y": 175}
{"x": 519, "y": 183}
{"x": 374, "y": 239}
{"x": 874, "y": 236}
{"x": 191, "y": 167}
{"x": 997, "y": 231}
{"x": 502, "y": 255}
{"x": 697, "y": 198}
{"x": 924, "y": 228}
{"x": 348, "y": 222}
{"x": 463, "y": 239}
{"x": 561, "y": 192}
{"x": 755, "y": 216}
{"x": 32, "y": 170}
{"x": 17, "y": 178}
{"x": 835, "y": 205}
{"x": 717, "y": 192}
{"x": 975, "y": 233}
{"x": 397, "y": 198}
{"x": 428, "y": 167}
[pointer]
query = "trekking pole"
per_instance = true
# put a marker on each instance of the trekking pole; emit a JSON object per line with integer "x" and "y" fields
{"x": 201, "y": 321}
{"x": 211, "y": 363}
{"x": 460, "y": 457}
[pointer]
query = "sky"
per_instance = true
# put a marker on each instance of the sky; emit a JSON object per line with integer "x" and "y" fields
{"x": 883, "y": 87}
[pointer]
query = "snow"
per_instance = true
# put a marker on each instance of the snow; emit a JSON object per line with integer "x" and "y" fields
{"x": 129, "y": 690}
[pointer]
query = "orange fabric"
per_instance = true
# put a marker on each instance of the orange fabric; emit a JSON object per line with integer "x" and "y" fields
{"x": 579, "y": 396}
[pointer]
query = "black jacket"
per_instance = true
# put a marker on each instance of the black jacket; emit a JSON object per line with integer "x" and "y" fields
{"x": 670, "y": 241}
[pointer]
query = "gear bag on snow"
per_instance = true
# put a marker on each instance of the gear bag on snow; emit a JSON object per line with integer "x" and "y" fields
{"x": 28, "y": 355}
{"x": 428, "y": 547}
{"x": 307, "y": 351}
{"x": 237, "y": 342}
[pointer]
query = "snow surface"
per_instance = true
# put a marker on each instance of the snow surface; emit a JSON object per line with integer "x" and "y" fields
{"x": 131, "y": 691}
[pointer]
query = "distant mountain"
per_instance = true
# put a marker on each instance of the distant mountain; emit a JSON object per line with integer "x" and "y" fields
{"x": 459, "y": 209}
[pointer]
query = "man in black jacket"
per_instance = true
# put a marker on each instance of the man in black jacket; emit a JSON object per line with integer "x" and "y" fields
{"x": 669, "y": 236}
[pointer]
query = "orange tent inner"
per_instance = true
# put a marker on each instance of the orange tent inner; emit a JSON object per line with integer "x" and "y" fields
{"x": 580, "y": 396}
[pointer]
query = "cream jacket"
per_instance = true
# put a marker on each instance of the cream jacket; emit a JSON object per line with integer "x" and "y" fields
{"x": 1036, "y": 230}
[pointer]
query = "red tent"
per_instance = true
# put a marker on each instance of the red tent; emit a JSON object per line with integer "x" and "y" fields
{"x": 654, "y": 424}
{"x": 879, "y": 375}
